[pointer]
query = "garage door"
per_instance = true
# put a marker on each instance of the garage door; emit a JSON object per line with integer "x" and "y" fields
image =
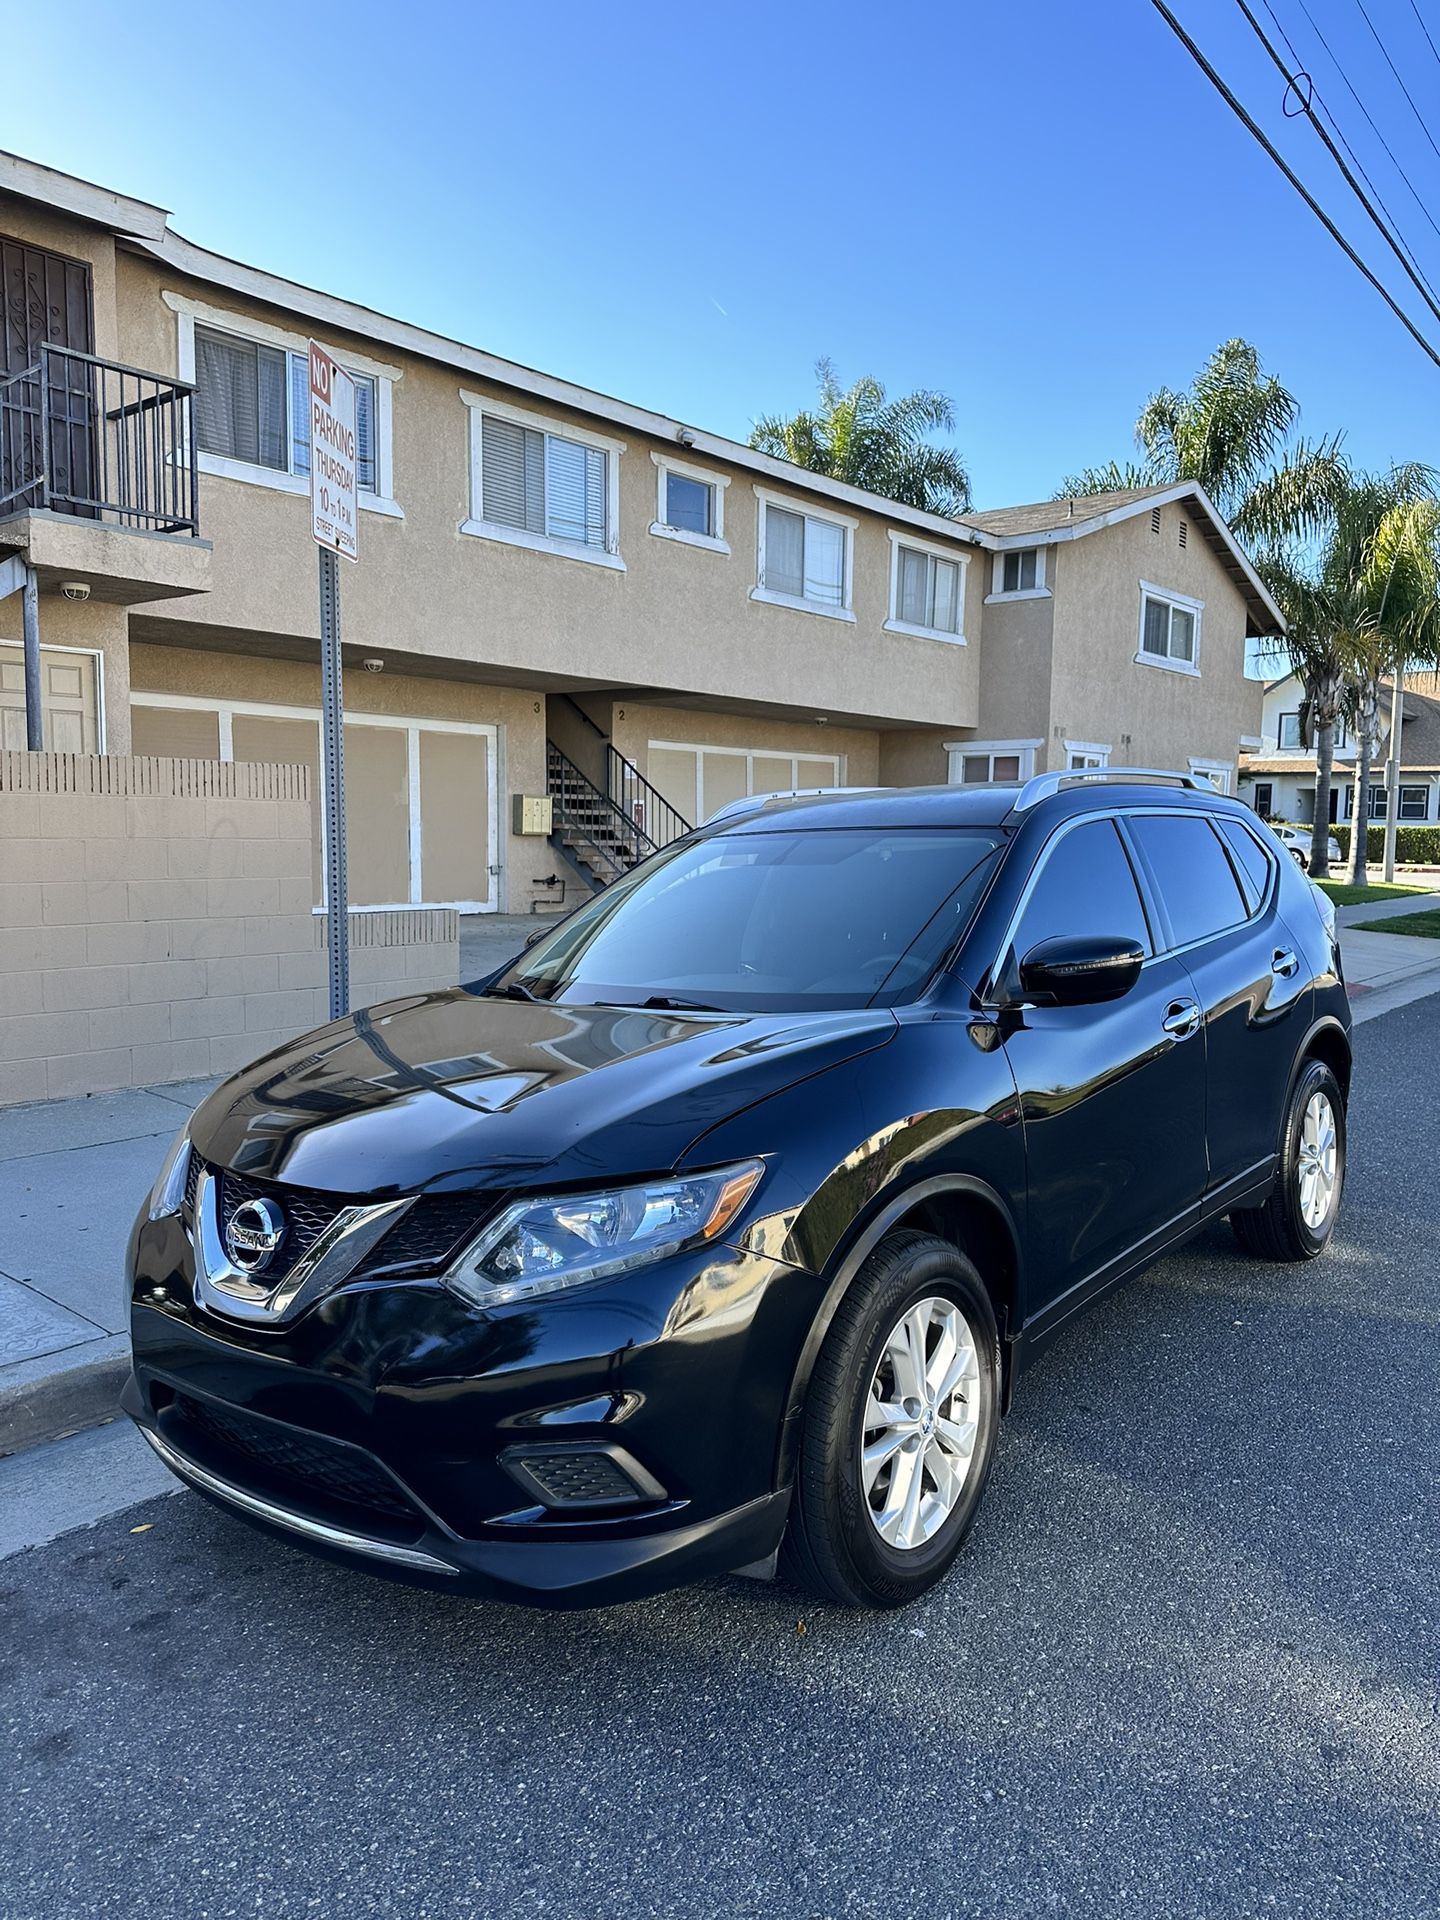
{"x": 420, "y": 814}
{"x": 698, "y": 781}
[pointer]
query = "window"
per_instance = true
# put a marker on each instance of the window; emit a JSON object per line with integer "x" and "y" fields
{"x": 689, "y": 504}
{"x": 1264, "y": 801}
{"x": 1414, "y": 803}
{"x": 982, "y": 763}
{"x": 1214, "y": 773}
{"x": 252, "y": 404}
{"x": 1254, "y": 864}
{"x": 804, "y": 560}
{"x": 1289, "y": 735}
{"x": 1081, "y": 755}
{"x": 927, "y": 591}
{"x": 1022, "y": 571}
{"x": 542, "y": 483}
{"x": 1169, "y": 630}
{"x": 1379, "y": 803}
{"x": 1085, "y": 886}
{"x": 983, "y": 769}
{"x": 1192, "y": 875}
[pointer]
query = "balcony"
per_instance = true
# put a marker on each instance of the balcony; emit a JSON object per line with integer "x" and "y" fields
{"x": 98, "y": 478}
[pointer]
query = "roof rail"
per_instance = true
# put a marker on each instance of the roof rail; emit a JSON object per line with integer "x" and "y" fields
{"x": 1042, "y": 785}
{"x": 750, "y": 802}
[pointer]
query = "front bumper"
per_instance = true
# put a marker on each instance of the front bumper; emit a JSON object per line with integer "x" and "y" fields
{"x": 393, "y": 1426}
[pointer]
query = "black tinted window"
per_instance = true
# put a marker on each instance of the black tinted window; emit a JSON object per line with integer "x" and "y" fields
{"x": 1195, "y": 880}
{"x": 1084, "y": 886}
{"x": 1251, "y": 858}
{"x": 770, "y": 920}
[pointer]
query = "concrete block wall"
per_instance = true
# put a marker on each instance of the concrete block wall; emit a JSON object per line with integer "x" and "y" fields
{"x": 156, "y": 923}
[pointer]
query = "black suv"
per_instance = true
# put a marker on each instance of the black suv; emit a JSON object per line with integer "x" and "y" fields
{"x": 719, "y": 1225}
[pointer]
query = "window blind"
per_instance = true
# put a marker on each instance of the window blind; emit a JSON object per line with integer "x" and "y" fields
{"x": 784, "y": 551}
{"x": 240, "y": 399}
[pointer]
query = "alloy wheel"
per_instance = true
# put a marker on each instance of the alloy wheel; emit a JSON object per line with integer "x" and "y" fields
{"x": 920, "y": 1423}
{"x": 1316, "y": 1161}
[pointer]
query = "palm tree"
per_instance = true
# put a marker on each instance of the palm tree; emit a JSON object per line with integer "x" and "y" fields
{"x": 882, "y": 445}
{"x": 1312, "y": 650}
{"x": 1231, "y": 430}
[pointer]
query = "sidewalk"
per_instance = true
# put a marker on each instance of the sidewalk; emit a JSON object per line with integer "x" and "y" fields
{"x": 74, "y": 1172}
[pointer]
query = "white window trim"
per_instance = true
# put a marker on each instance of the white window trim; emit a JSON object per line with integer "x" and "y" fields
{"x": 1202, "y": 767}
{"x": 187, "y": 312}
{"x": 1091, "y": 747}
{"x": 707, "y": 477}
{"x": 1148, "y": 591}
{"x": 935, "y": 551}
{"x": 226, "y": 710}
{"x": 1025, "y": 750}
{"x": 748, "y": 754}
{"x": 476, "y": 524}
{"x": 1040, "y": 590}
{"x": 85, "y": 653}
{"x": 766, "y": 497}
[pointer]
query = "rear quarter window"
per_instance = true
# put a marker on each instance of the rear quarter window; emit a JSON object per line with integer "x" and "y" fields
{"x": 1254, "y": 863}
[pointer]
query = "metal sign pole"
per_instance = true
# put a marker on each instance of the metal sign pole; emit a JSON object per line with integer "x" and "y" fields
{"x": 333, "y": 776}
{"x": 34, "y": 709}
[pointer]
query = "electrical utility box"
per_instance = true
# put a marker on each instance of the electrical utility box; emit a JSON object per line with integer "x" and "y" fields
{"x": 532, "y": 813}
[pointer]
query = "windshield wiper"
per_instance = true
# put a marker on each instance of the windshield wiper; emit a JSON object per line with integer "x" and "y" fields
{"x": 513, "y": 990}
{"x": 665, "y": 1003}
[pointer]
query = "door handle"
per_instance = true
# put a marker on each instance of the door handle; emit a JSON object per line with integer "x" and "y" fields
{"x": 1285, "y": 962}
{"x": 1182, "y": 1018}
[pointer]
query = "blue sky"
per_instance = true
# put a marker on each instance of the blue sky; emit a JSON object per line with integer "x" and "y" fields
{"x": 1041, "y": 209}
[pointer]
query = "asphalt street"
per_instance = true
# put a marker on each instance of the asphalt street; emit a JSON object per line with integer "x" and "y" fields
{"x": 1188, "y": 1666}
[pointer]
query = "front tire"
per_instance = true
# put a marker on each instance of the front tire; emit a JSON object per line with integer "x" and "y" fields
{"x": 1296, "y": 1222}
{"x": 899, "y": 1428}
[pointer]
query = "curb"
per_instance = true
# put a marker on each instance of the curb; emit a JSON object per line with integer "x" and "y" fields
{"x": 41, "y": 1401}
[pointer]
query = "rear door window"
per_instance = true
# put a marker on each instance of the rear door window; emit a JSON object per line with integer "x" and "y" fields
{"x": 1192, "y": 873}
{"x": 1085, "y": 886}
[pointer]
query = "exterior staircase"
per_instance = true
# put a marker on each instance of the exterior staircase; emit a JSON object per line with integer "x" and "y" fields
{"x": 600, "y": 837}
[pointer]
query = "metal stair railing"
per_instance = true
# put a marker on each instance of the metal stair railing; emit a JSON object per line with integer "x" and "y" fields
{"x": 655, "y": 821}
{"x": 589, "y": 822}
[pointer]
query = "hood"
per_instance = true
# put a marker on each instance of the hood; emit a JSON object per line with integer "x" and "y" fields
{"x": 454, "y": 1090}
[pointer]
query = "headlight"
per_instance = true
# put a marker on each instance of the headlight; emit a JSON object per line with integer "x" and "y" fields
{"x": 168, "y": 1193}
{"x": 540, "y": 1246}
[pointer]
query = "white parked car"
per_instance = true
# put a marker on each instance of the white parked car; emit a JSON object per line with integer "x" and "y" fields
{"x": 1296, "y": 841}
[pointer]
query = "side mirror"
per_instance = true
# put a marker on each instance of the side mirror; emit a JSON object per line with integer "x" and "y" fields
{"x": 1080, "y": 970}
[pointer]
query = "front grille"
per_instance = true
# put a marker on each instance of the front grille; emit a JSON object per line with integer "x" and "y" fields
{"x": 316, "y": 1465}
{"x": 423, "y": 1239}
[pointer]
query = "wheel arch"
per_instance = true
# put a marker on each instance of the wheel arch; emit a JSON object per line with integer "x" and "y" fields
{"x": 960, "y": 1208}
{"x": 1328, "y": 1042}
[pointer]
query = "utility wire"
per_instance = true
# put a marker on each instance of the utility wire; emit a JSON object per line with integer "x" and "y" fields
{"x": 1396, "y": 71}
{"x": 1426, "y": 31}
{"x": 1370, "y": 119}
{"x": 1339, "y": 131}
{"x": 1293, "y": 81}
{"x": 1296, "y": 182}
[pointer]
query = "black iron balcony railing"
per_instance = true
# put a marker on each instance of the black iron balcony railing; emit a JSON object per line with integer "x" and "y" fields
{"x": 99, "y": 440}
{"x": 655, "y": 821}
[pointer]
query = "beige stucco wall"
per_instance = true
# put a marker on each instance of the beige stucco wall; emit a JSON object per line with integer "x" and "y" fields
{"x": 1017, "y": 658}
{"x": 517, "y": 713}
{"x": 677, "y": 617}
{"x": 1099, "y": 691}
{"x": 155, "y": 922}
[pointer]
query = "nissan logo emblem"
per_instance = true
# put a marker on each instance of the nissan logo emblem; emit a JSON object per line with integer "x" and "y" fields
{"x": 253, "y": 1234}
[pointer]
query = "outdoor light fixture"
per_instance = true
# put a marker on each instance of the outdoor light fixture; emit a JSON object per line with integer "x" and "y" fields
{"x": 75, "y": 589}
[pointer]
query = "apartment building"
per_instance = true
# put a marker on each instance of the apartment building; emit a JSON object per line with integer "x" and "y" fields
{"x": 1278, "y": 778}
{"x": 559, "y": 595}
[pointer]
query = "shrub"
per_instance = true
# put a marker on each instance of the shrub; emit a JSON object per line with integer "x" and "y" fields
{"x": 1414, "y": 845}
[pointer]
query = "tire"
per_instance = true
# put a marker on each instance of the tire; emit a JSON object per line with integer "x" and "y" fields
{"x": 833, "y": 1546}
{"x": 1282, "y": 1229}
{"x": 1301, "y": 860}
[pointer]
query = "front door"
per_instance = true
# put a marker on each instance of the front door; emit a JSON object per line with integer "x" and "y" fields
{"x": 1113, "y": 1096}
{"x": 46, "y": 300}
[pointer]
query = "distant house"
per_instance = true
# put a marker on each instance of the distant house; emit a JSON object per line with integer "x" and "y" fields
{"x": 1278, "y": 779}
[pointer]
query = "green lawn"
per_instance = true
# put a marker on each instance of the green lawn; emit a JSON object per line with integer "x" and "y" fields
{"x": 1344, "y": 895}
{"x": 1425, "y": 926}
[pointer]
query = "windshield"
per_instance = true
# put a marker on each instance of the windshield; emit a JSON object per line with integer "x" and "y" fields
{"x": 769, "y": 921}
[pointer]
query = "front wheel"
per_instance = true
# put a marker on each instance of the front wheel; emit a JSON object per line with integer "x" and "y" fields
{"x": 899, "y": 1428}
{"x": 1296, "y": 1222}
{"x": 1300, "y": 858}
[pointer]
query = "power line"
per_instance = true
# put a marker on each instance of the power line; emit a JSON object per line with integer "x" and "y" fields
{"x": 1301, "y": 72}
{"x": 1296, "y": 182}
{"x": 1334, "y": 58}
{"x": 1426, "y": 31}
{"x": 1400, "y": 83}
{"x": 1395, "y": 245}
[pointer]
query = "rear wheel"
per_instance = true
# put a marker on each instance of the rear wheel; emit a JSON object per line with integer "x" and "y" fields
{"x": 1300, "y": 858}
{"x": 899, "y": 1428}
{"x": 1296, "y": 1222}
